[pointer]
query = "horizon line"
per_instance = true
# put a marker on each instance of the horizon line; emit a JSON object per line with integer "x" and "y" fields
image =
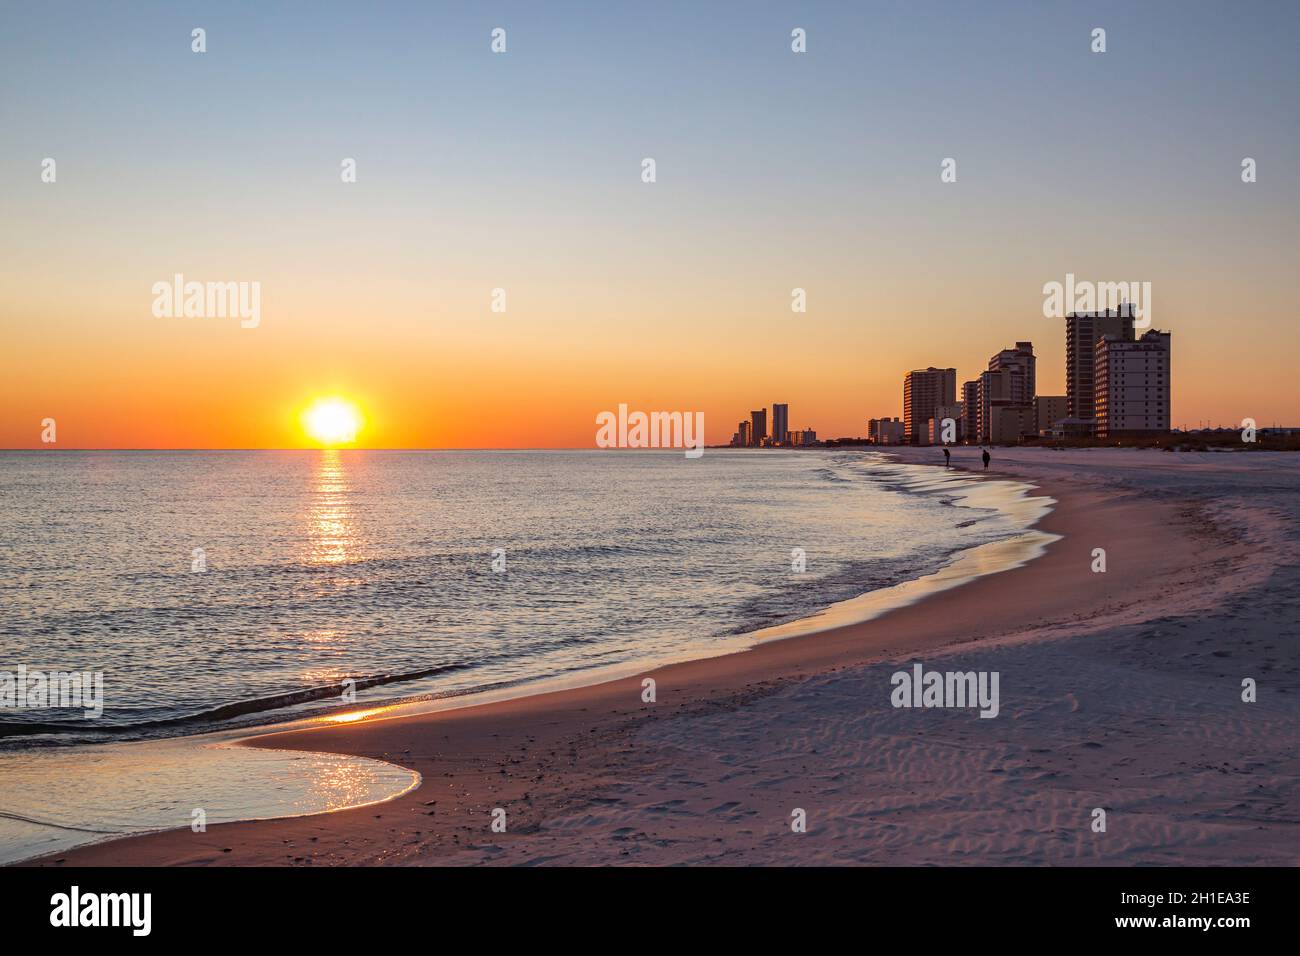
{"x": 373, "y": 448}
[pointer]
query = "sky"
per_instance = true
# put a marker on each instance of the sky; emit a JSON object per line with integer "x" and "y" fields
{"x": 522, "y": 171}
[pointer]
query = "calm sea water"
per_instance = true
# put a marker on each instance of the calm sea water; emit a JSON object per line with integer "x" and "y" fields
{"x": 378, "y": 567}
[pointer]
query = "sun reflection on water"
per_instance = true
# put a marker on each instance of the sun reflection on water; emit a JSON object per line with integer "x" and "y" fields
{"x": 332, "y": 538}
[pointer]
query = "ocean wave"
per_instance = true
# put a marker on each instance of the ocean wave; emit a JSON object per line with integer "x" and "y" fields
{"x": 223, "y": 712}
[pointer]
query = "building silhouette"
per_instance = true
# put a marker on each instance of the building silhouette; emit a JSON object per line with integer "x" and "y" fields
{"x": 780, "y": 423}
{"x": 1132, "y": 385}
{"x": 1006, "y": 396}
{"x": 924, "y": 390}
{"x": 970, "y": 410}
{"x": 1082, "y": 332}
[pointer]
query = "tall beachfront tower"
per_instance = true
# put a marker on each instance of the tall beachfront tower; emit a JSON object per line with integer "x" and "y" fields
{"x": 1022, "y": 358}
{"x": 924, "y": 390}
{"x": 757, "y": 427}
{"x": 1132, "y": 385}
{"x": 1082, "y": 332}
{"x": 970, "y": 410}
{"x": 1006, "y": 395}
{"x": 780, "y": 423}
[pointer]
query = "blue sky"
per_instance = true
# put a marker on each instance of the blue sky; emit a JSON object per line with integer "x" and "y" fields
{"x": 774, "y": 170}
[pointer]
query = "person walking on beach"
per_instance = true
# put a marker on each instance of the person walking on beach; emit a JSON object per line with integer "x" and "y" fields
{"x": 947, "y": 458}
{"x": 986, "y": 459}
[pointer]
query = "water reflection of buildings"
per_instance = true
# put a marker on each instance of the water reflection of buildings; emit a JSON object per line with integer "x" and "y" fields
{"x": 331, "y": 538}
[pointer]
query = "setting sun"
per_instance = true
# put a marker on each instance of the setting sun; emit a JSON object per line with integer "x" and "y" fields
{"x": 332, "y": 421}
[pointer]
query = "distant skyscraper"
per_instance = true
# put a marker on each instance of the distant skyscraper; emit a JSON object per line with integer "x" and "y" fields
{"x": 780, "y": 422}
{"x": 970, "y": 410}
{"x": 757, "y": 427}
{"x": 1132, "y": 385}
{"x": 1006, "y": 396}
{"x": 923, "y": 391}
{"x": 1082, "y": 332}
{"x": 1021, "y": 357}
{"x": 993, "y": 386}
{"x": 743, "y": 432}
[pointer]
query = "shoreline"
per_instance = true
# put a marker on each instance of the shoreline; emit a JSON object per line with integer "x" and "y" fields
{"x": 1014, "y": 500}
{"x": 499, "y": 753}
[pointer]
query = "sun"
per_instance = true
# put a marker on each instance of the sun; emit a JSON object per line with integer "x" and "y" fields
{"x": 332, "y": 421}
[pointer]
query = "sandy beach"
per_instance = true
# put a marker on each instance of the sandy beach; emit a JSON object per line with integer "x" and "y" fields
{"x": 1119, "y": 690}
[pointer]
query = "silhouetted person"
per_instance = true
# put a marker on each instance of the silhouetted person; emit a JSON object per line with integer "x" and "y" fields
{"x": 986, "y": 459}
{"x": 947, "y": 458}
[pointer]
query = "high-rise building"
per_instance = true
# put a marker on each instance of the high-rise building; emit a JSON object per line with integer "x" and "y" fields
{"x": 1049, "y": 409}
{"x": 970, "y": 410}
{"x": 757, "y": 427}
{"x": 1000, "y": 389}
{"x": 1021, "y": 357}
{"x": 780, "y": 422}
{"x": 923, "y": 391}
{"x": 1132, "y": 385}
{"x": 1082, "y": 332}
{"x": 994, "y": 388}
{"x": 1009, "y": 383}
{"x": 743, "y": 432}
